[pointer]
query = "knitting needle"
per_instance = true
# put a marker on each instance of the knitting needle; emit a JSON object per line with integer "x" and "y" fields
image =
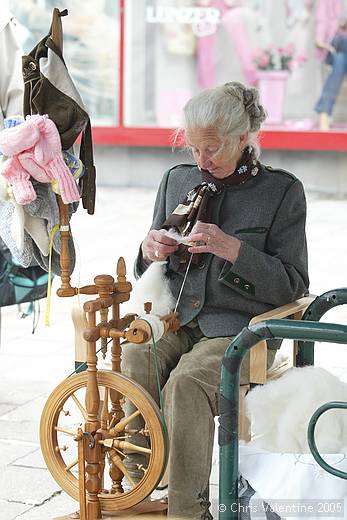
{"x": 184, "y": 281}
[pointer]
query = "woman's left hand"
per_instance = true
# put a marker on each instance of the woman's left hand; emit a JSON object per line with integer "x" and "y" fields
{"x": 214, "y": 241}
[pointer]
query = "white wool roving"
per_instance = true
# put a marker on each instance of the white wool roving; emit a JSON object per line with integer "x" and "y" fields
{"x": 280, "y": 412}
{"x": 153, "y": 286}
{"x": 180, "y": 239}
{"x": 157, "y": 327}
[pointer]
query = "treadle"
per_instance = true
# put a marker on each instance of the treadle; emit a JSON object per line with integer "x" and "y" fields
{"x": 145, "y": 508}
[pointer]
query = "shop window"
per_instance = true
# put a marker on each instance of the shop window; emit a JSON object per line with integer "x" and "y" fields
{"x": 171, "y": 49}
{"x": 91, "y": 48}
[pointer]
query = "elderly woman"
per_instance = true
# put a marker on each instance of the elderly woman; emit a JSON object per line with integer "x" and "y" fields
{"x": 245, "y": 223}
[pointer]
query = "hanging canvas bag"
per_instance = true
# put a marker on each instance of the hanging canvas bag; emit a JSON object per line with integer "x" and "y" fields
{"x": 49, "y": 89}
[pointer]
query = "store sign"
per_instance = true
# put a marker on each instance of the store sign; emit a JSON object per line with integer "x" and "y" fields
{"x": 202, "y": 19}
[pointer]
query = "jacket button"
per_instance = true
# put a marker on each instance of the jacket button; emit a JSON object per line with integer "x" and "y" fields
{"x": 236, "y": 280}
{"x": 196, "y": 304}
{"x": 246, "y": 286}
{"x": 202, "y": 265}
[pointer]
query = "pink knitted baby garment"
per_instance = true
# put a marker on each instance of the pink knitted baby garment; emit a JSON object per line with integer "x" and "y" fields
{"x": 47, "y": 153}
{"x": 18, "y": 177}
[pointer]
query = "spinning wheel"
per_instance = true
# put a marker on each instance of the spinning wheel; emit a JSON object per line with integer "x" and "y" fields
{"x": 64, "y": 413}
{"x": 84, "y": 433}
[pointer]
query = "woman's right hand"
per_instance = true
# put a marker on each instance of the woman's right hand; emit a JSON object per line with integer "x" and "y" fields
{"x": 157, "y": 246}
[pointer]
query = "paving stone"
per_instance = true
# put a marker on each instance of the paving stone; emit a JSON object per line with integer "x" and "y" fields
{"x": 18, "y": 392}
{"x": 12, "y": 510}
{"x": 5, "y": 408}
{"x": 60, "y": 504}
{"x": 31, "y": 486}
{"x": 11, "y": 451}
{"x": 32, "y": 459}
{"x": 14, "y": 430}
{"x": 26, "y": 412}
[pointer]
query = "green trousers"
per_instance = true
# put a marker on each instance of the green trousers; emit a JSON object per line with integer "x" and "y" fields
{"x": 189, "y": 366}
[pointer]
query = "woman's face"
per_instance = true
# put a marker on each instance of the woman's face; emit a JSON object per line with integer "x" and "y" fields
{"x": 213, "y": 153}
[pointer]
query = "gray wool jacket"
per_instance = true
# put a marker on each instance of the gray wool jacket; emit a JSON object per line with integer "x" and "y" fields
{"x": 267, "y": 213}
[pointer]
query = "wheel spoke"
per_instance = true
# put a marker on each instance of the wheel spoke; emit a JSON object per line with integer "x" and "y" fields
{"x": 65, "y": 430}
{"x": 80, "y": 406}
{"x": 129, "y": 433}
{"x": 124, "y": 445}
{"x": 117, "y": 461}
{"x": 70, "y": 466}
{"x": 122, "y": 424}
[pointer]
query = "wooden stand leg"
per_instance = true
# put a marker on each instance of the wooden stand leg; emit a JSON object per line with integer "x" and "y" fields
{"x": 93, "y": 452}
{"x": 82, "y": 475}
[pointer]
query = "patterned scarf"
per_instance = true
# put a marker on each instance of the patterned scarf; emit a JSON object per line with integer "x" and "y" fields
{"x": 196, "y": 205}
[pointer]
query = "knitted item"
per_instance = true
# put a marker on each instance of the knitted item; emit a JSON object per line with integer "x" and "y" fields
{"x": 17, "y": 225}
{"x": 26, "y": 229}
{"x": 75, "y": 166}
{"x": 23, "y": 255}
{"x": 35, "y": 227}
{"x": 45, "y": 206}
{"x": 9, "y": 122}
{"x": 20, "y": 137}
{"x": 58, "y": 170}
{"x": 48, "y": 153}
{"x": 28, "y": 162}
{"x": 18, "y": 177}
{"x": 35, "y": 149}
{"x": 48, "y": 145}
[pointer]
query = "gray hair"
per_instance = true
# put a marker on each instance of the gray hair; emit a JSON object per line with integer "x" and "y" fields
{"x": 232, "y": 109}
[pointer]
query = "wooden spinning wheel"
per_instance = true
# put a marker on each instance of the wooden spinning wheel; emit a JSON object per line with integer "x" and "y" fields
{"x": 85, "y": 434}
{"x": 90, "y": 408}
{"x": 64, "y": 413}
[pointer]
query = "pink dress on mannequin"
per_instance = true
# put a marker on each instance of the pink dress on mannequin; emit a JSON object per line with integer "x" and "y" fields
{"x": 236, "y": 29}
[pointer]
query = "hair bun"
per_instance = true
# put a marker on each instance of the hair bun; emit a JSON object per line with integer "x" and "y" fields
{"x": 253, "y": 107}
{"x": 250, "y": 99}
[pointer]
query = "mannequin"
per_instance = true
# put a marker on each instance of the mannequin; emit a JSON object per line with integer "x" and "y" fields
{"x": 331, "y": 43}
{"x": 245, "y": 32}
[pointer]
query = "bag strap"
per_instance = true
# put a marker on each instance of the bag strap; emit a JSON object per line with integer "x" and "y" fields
{"x": 87, "y": 181}
{"x": 56, "y": 28}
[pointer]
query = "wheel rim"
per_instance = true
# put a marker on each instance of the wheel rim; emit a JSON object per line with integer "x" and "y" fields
{"x": 51, "y": 439}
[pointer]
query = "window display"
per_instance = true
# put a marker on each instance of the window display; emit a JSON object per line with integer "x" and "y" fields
{"x": 91, "y": 48}
{"x": 174, "y": 48}
{"x": 171, "y": 49}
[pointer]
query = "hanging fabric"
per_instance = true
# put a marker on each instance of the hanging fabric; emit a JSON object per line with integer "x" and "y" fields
{"x": 49, "y": 89}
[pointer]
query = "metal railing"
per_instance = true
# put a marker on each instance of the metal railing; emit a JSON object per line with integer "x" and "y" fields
{"x": 228, "y": 433}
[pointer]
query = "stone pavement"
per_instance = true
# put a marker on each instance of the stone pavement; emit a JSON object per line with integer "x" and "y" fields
{"x": 31, "y": 365}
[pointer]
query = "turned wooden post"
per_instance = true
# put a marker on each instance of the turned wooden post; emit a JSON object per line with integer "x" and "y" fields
{"x": 81, "y": 474}
{"x": 92, "y": 453}
{"x": 65, "y": 289}
{"x": 116, "y": 409}
{"x": 105, "y": 285}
